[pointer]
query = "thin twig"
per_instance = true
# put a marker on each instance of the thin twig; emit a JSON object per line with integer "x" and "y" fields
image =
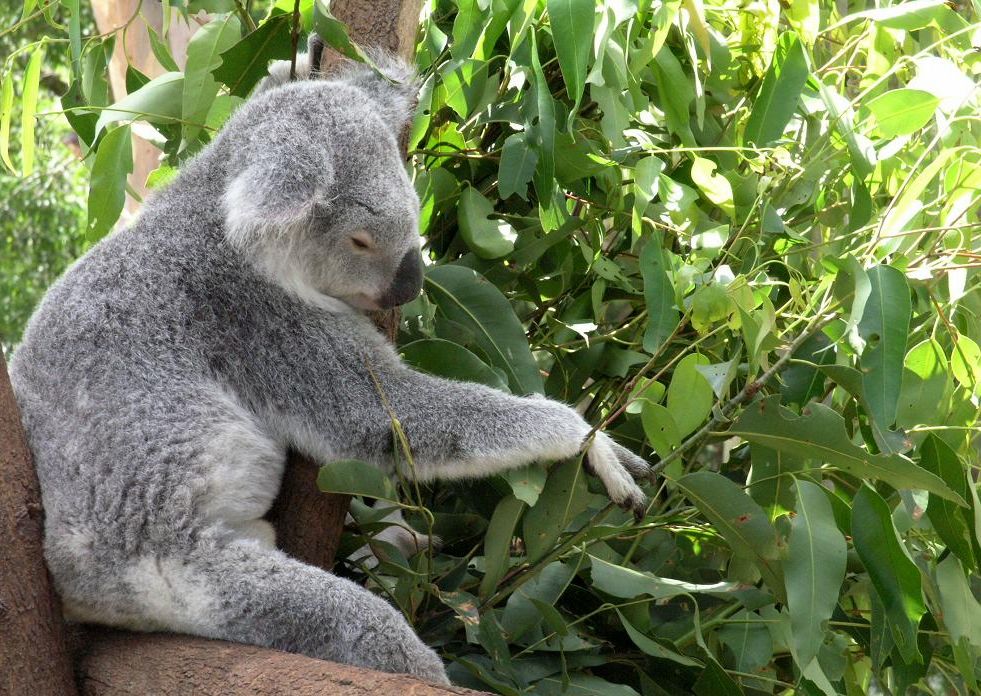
{"x": 295, "y": 38}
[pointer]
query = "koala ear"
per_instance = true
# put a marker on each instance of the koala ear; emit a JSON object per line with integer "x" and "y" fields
{"x": 392, "y": 85}
{"x": 275, "y": 190}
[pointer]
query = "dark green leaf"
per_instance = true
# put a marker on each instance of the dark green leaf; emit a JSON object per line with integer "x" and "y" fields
{"x": 954, "y": 524}
{"x": 564, "y": 497}
{"x": 450, "y": 360}
{"x": 518, "y": 160}
{"x": 814, "y": 570}
{"x": 894, "y": 575}
{"x": 782, "y": 85}
{"x": 497, "y": 542}
{"x": 247, "y": 62}
{"x": 740, "y": 521}
{"x": 467, "y": 298}
{"x": 572, "y": 34}
{"x": 662, "y": 317}
{"x": 884, "y": 328}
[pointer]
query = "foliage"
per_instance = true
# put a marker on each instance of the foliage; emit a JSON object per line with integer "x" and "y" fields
{"x": 741, "y": 237}
{"x": 42, "y": 214}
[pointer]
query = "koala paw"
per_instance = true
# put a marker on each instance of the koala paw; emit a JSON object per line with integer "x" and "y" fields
{"x": 396, "y": 648}
{"x": 617, "y": 467}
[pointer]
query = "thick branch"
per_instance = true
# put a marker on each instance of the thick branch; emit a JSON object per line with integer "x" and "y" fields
{"x": 117, "y": 663}
{"x": 308, "y": 523}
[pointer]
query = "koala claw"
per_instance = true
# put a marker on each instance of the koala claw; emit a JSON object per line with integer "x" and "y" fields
{"x": 617, "y": 467}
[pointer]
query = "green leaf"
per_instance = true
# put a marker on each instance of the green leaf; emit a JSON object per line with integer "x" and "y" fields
{"x": 464, "y": 296}
{"x": 779, "y": 93}
{"x": 489, "y": 239}
{"x": 653, "y": 648}
{"x": 910, "y": 16}
{"x": 814, "y": 570}
{"x": 714, "y": 186}
{"x": 158, "y": 101}
{"x": 335, "y": 34}
{"x": 659, "y": 427}
{"x": 894, "y": 575}
{"x": 572, "y": 35}
{"x": 352, "y": 477}
{"x": 715, "y": 681}
{"x": 247, "y": 62}
{"x": 690, "y": 395}
{"x": 451, "y": 360}
{"x": 662, "y": 317}
{"x": 161, "y": 51}
{"x": 884, "y": 328}
{"x": 564, "y": 497}
{"x": 527, "y": 482}
{"x": 819, "y": 433}
{"x": 107, "y": 186}
{"x": 771, "y": 479}
{"x": 677, "y": 94}
{"x": 902, "y": 111}
{"x": 627, "y": 583}
{"x": 28, "y": 105}
{"x": 521, "y": 613}
{"x": 497, "y": 542}
{"x": 740, "y": 521}
{"x": 961, "y": 611}
{"x": 647, "y": 172}
{"x": 926, "y": 378}
{"x": 161, "y": 176}
{"x": 748, "y": 638}
{"x": 204, "y": 55}
{"x": 517, "y": 167}
{"x": 953, "y": 524}
{"x": 965, "y": 363}
{"x": 6, "y": 111}
{"x": 542, "y": 134}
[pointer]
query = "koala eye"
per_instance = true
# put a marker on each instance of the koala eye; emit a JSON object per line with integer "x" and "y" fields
{"x": 362, "y": 241}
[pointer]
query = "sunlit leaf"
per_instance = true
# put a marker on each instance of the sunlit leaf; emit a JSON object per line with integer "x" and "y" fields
{"x": 819, "y": 433}
{"x": 107, "y": 188}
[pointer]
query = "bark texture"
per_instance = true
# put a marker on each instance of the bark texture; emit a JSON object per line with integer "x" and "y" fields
{"x": 308, "y": 524}
{"x": 33, "y": 657}
{"x": 116, "y": 663}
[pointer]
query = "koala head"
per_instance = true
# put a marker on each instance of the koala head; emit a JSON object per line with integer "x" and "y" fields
{"x": 316, "y": 193}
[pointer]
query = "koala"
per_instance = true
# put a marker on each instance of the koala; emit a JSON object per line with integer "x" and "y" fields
{"x": 164, "y": 376}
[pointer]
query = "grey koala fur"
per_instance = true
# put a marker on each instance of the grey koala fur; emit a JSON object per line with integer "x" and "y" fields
{"x": 165, "y": 374}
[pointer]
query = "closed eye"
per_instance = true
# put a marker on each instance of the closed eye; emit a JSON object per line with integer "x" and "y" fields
{"x": 362, "y": 241}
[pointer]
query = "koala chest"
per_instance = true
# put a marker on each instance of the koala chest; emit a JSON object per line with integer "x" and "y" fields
{"x": 242, "y": 468}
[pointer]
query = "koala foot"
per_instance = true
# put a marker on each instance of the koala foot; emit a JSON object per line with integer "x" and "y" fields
{"x": 394, "y": 647}
{"x": 617, "y": 467}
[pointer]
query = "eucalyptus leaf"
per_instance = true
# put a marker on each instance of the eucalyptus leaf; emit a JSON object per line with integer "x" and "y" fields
{"x": 819, "y": 433}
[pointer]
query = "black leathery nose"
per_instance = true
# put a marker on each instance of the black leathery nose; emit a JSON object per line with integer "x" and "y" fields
{"x": 407, "y": 282}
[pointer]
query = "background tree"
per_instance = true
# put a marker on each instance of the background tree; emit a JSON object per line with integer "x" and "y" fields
{"x": 742, "y": 238}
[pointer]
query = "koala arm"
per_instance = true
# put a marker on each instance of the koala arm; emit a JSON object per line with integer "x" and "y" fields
{"x": 461, "y": 430}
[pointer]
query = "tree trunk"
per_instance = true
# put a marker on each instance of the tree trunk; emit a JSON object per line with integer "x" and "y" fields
{"x": 308, "y": 524}
{"x": 116, "y": 663}
{"x": 33, "y": 657}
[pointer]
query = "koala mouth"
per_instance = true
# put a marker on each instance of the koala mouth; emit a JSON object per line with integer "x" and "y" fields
{"x": 363, "y": 302}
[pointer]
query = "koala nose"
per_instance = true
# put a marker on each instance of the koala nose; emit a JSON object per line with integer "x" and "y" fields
{"x": 407, "y": 281}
